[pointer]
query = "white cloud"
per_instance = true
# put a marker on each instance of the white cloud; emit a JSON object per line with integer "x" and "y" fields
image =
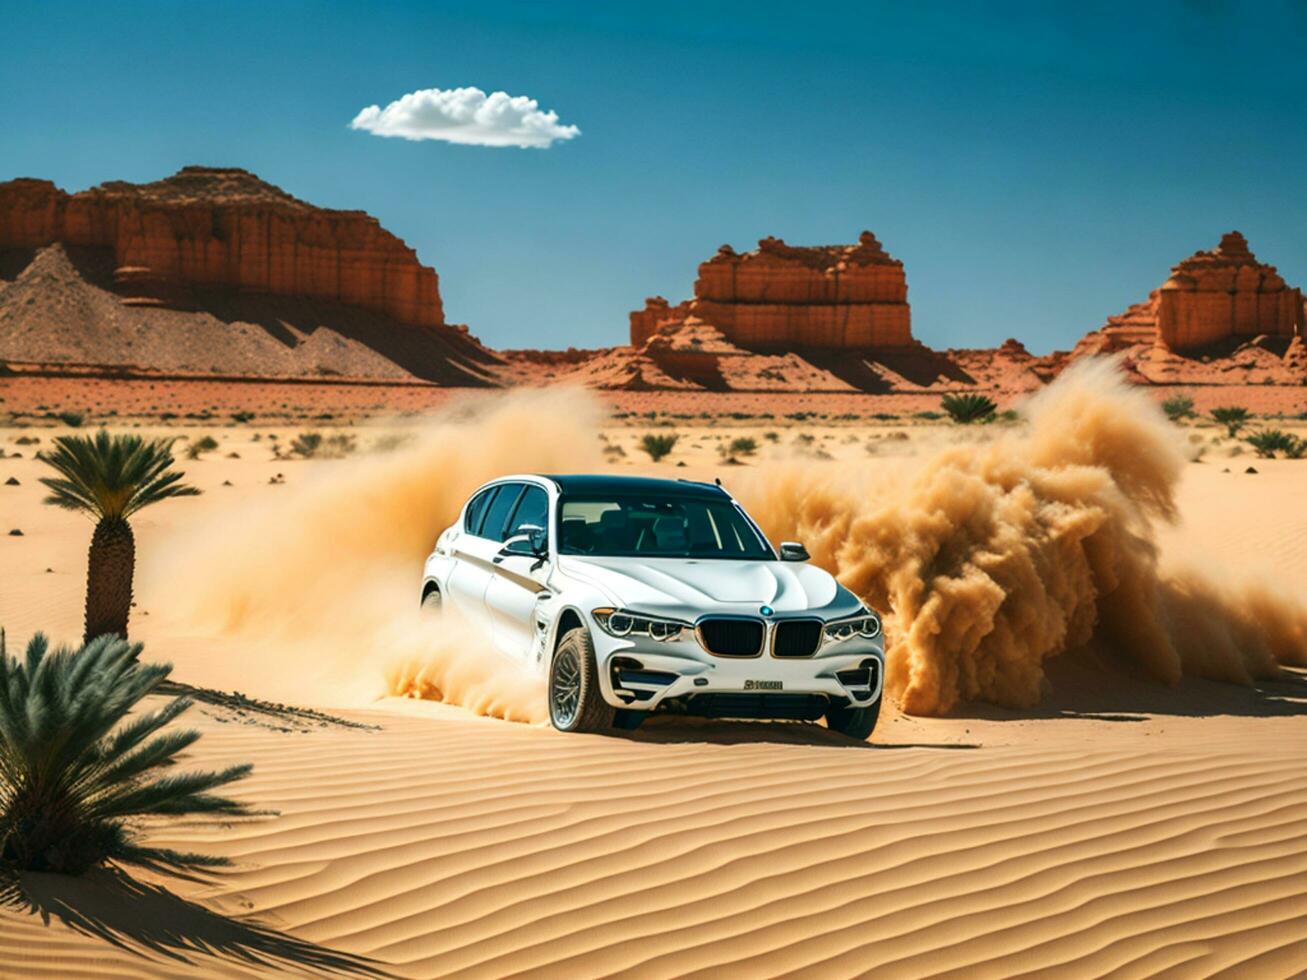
{"x": 468, "y": 116}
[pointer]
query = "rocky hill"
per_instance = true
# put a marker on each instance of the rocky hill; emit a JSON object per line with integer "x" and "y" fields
{"x": 215, "y": 271}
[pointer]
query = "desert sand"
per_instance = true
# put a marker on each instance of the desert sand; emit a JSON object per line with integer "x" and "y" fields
{"x": 1118, "y": 825}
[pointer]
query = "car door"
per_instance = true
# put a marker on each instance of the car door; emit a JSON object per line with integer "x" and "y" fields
{"x": 476, "y": 547}
{"x": 519, "y": 581}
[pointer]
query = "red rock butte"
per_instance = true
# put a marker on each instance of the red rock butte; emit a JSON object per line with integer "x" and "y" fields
{"x": 216, "y": 227}
{"x": 1211, "y": 297}
{"x": 789, "y": 297}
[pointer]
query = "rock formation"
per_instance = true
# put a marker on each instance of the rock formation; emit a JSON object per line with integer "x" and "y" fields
{"x": 209, "y": 227}
{"x": 1210, "y": 297}
{"x": 832, "y": 297}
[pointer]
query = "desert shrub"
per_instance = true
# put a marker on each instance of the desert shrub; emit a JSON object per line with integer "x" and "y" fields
{"x": 744, "y": 446}
{"x": 242, "y": 417}
{"x": 967, "y": 408}
{"x": 614, "y": 450}
{"x": 205, "y": 444}
{"x": 1233, "y": 417}
{"x": 1178, "y": 407}
{"x": 659, "y": 445}
{"x": 73, "y": 420}
{"x": 338, "y": 446}
{"x": 27, "y": 440}
{"x": 884, "y": 416}
{"x": 306, "y": 444}
{"x": 75, "y": 776}
{"x": 928, "y": 416}
{"x": 1008, "y": 415}
{"x": 1268, "y": 442}
{"x": 772, "y": 436}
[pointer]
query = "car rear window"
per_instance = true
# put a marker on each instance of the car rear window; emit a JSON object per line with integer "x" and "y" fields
{"x": 492, "y": 527}
{"x": 476, "y": 510}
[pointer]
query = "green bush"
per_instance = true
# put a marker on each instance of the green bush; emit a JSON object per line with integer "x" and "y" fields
{"x": 743, "y": 446}
{"x": 73, "y": 420}
{"x": 306, "y": 444}
{"x": 76, "y": 775}
{"x": 241, "y": 417}
{"x": 205, "y": 444}
{"x": 658, "y": 446}
{"x": 1268, "y": 442}
{"x": 928, "y": 416}
{"x": 1233, "y": 417}
{"x": 1178, "y": 407}
{"x": 968, "y": 408}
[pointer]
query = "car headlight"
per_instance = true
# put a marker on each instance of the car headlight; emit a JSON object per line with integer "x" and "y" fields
{"x": 867, "y": 626}
{"x": 624, "y": 622}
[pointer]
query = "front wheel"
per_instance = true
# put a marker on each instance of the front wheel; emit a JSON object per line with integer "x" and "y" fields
{"x": 856, "y": 723}
{"x": 575, "y": 702}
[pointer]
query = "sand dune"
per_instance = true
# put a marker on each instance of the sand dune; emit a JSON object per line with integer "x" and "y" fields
{"x": 1119, "y": 826}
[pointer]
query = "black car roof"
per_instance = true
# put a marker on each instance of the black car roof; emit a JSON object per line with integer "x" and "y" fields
{"x": 584, "y": 484}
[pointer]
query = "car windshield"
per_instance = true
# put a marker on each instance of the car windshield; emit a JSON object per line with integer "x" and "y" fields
{"x": 656, "y": 525}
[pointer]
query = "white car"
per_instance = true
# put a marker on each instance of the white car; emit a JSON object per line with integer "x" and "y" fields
{"x": 636, "y": 595}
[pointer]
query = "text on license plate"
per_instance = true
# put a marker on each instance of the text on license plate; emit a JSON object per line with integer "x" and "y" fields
{"x": 763, "y": 685}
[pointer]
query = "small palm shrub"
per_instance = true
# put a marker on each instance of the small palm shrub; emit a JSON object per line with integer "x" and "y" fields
{"x": 205, "y": 444}
{"x": 1179, "y": 407}
{"x": 1268, "y": 442}
{"x": 659, "y": 445}
{"x": 1233, "y": 417}
{"x": 73, "y": 420}
{"x": 968, "y": 408}
{"x": 110, "y": 478}
{"x": 75, "y": 775}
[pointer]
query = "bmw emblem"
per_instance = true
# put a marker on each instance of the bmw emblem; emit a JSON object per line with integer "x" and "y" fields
{"x": 766, "y": 610}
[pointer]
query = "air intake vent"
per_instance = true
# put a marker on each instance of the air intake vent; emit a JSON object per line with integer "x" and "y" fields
{"x": 731, "y": 637}
{"x": 796, "y": 638}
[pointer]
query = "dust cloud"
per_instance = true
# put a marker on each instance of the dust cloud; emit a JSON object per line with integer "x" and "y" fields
{"x": 324, "y": 578}
{"x": 991, "y": 558}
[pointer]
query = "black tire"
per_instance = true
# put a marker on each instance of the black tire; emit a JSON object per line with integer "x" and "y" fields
{"x": 856, "y": 723}
{"x": 575, "y": 702}
{"x": 432, "y": 601}
{"x": 628, "y": 719}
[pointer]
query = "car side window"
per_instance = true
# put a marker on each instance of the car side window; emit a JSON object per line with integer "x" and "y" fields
{"x": 533, "y": 508}
{"x": 477, "y": 509}
{"x": 496, "y": 519}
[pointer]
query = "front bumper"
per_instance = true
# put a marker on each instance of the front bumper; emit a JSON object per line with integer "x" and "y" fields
{"x": 680, "y": 675}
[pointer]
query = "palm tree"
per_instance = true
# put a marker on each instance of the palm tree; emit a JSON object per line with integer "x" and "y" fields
{"x": 74, "y": 777}
{"x": 110, "y": 478}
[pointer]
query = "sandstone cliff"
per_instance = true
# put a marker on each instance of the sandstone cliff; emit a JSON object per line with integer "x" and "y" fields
{"x": 1210, "y": 298}
{"x": 831, "y": 297}
{"x": 213, "y": 272}
{"x": 208, "y": 227}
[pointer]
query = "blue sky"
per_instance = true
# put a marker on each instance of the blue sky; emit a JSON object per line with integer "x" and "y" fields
{"x": 1036, "y": 169}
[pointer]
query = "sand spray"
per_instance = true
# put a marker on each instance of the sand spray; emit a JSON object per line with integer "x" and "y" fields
{"x": 988, "y": 558}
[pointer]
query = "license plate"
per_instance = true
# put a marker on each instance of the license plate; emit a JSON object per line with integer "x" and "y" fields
{"x": 763, "y": 685}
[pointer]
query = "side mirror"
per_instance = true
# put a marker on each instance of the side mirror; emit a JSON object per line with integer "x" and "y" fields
{"x": 530, "y": 541}
{"x": 793, "y": 551}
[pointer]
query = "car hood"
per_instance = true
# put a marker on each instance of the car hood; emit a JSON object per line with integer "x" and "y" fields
{"x": 688, "y": 586}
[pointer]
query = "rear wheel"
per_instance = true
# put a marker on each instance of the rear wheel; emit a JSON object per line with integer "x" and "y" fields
{"x": 575, "y": 702}
{"x": 856, "y": 723}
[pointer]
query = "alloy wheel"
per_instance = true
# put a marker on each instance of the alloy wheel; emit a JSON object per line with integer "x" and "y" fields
{"x": 565, "y": 688}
